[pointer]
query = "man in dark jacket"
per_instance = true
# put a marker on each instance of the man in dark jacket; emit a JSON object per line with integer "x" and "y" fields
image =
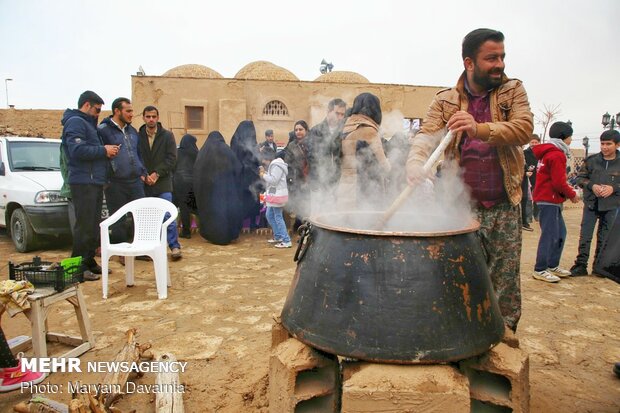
{"x": 158, "y": 149}
{"x": 127, "y": 169}
{"x": 600, "y": 180}
{"x": 87, "y": 159}
{"x": 529, "y": 180}
{"x": 268, "y": 148}
{"x": 324, "y": 148}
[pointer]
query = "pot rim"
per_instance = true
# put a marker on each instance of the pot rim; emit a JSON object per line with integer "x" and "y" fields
{"x": 473, "y": 226}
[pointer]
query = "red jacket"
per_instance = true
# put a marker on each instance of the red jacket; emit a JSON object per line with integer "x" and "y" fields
{"x": 551, "y": 182}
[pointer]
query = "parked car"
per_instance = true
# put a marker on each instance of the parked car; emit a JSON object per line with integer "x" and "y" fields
{"x": 30, "y": 182}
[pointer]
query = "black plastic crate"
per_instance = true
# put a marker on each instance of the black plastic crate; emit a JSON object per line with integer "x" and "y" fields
{"x": 59, "y": 278}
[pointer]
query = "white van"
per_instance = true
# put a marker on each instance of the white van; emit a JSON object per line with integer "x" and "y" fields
{"x": 30, "y": 180}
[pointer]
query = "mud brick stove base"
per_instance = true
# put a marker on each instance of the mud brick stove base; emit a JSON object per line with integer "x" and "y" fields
{"x": 303, "y": 379}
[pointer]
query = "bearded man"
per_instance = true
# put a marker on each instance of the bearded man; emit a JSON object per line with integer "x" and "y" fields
{"x": 491, "y": 118}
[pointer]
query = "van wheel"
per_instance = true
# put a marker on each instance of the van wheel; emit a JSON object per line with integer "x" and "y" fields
{"x": 24, "y": 237}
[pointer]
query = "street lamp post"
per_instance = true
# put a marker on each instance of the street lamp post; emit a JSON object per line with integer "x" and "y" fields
{"x": 586, "y": 144}
{"x": 6, "y": 88}
{"x": 609, "y": 120}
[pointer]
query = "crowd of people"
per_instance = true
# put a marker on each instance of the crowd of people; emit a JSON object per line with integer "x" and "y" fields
{"x": 116, "y": 159}
{"x": 546, "y": 177}
{"x": 343, "y": 162}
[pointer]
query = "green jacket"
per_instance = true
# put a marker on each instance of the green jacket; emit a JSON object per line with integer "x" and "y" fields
{"x": 64, "y": 171}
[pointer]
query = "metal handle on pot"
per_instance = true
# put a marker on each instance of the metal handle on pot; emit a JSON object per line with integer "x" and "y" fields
{"x": 305, "y": 237}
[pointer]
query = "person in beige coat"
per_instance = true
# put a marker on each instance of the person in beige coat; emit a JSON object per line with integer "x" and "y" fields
{"x": 491, "y": 118}
{"x": 364, "y": 164}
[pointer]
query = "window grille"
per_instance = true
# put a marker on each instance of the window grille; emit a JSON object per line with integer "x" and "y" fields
{"x": 275, "y": 108}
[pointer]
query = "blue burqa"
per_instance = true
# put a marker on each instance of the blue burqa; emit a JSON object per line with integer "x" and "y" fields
{"x": 217, "y": 187}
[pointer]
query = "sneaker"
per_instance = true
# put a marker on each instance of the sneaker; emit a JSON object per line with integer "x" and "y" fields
{"x": 578, "y": 270}
{"x": 176, "y": 254}
{"x": 274, "y": 241}
{"x": 12, "y": 378}
{"x": 90, "y": 276}
{"x": 559, "y": 272}
{"x": 95, "y": 269}
{"x": 527, "y": 228}
{"x": 284, "y": 245}
{"x": 546, "y": 276}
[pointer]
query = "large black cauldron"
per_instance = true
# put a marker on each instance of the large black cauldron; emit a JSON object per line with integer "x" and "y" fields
{"x": 392, "y": 297}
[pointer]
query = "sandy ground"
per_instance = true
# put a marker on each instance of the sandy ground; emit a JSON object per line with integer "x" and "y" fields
{"x": 219, "y": 313}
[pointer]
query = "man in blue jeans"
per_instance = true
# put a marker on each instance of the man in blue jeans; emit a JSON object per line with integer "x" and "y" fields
{"x": 127, "y": 168}
{"x": 158, "y": 149}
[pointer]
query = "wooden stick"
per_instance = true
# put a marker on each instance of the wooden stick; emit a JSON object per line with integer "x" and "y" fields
{"x": 40, "y": 404}
{"x": 77, "y": 406}
{"x": 95, "y": 406}
{"x": 398, "y": 202}
{"x": 129, "y": 354}
{"x": 168, "y": 401}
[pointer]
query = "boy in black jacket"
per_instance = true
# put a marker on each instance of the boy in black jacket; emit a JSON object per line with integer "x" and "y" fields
{"x": 600, "y": 180}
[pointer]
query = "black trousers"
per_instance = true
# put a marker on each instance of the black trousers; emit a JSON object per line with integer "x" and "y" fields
{"x": 588, "y": 221}
{"x": 6, "y": 357}
{"x": 526, "y": 202}
{"x": 118, "y": 194}
{"x": 87, "y": 200}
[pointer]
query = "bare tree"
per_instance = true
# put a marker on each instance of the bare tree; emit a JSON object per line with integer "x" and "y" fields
{"x": 548, "y": 115}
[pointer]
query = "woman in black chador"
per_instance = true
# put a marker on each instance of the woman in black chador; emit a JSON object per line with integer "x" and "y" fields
{"x": 217, "y": 187}
{"x": 245, "y": 147}
{"x": 183, "y": 182}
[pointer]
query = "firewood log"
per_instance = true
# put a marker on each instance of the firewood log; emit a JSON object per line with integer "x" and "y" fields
{"x": 129, "y": 354}
{"x": 40, "y": 404}
{"x": 169, "y": 401}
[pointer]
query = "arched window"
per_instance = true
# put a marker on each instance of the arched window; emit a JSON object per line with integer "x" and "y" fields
{"x": 275, "y": 108}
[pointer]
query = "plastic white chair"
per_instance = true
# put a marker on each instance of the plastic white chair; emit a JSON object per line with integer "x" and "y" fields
{"x": 149, "y": 239}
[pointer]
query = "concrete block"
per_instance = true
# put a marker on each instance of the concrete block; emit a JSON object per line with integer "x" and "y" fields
{"x": 278, "y": 333}
{"x": 499, "y": 379}
{"x": 302, "y": 379}
{"x": 386, "y": 388}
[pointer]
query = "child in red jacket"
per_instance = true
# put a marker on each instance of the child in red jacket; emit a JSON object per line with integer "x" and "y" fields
{"x": 550, "y": 192}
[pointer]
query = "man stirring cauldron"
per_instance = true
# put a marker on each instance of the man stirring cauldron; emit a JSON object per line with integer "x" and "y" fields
{"x": 490, "y": 115}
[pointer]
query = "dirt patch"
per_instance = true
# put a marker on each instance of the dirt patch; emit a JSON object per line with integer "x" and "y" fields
{"x": 218, "y": 314}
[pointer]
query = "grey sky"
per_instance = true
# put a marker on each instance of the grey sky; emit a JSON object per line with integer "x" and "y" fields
{"x": 566, "y": 52}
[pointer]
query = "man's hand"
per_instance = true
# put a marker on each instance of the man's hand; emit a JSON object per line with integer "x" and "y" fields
{"x": 111, "y": 150}
{"x": 575, "y": 199}
{"x": 462, "y": 121}
{"x": 415, "y": 175}
{"x": 152, "y": 178}
{"x": 602, "y": 191}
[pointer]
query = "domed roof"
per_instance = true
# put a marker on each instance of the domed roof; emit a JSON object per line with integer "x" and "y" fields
{"x": 341, "y": 76}
{"x": 262, "y": 70}
{"x": 193, "y": 71}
